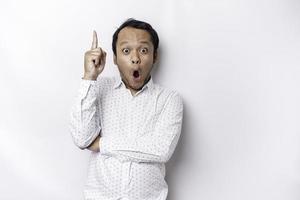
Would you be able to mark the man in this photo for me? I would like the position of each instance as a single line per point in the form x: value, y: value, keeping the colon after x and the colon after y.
x: 130, y: 125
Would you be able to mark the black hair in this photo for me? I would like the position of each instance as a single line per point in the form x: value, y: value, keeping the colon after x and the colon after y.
x: 139, y: 25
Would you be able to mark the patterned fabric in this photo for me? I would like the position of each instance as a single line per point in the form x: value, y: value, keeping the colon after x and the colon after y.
x: 138, y: 132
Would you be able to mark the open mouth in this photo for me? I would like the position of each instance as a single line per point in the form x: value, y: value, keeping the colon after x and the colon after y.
x: 136, y: 74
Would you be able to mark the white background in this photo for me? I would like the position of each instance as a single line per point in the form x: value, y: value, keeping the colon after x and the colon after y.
x: 236, y: 64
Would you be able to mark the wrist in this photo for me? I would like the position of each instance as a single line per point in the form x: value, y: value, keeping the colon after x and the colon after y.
x: 89, y: 77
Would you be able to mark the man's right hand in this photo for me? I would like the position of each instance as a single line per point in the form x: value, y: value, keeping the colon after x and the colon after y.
x: 94, y: 60
x: 95, y: 145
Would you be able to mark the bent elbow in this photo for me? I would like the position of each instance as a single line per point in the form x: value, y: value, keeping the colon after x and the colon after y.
x: 80, y: 144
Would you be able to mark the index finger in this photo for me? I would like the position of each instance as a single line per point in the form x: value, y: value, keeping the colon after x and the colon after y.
x: 95, y: 40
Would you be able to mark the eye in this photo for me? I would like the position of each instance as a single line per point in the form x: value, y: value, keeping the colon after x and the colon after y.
x: 144, y: 50
x: 125, y: 51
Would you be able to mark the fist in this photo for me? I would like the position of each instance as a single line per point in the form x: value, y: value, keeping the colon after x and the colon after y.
x: 94, y: 60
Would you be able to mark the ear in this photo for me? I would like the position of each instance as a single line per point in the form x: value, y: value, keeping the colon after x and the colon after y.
x: 155, y: 57
x: 115, y: 59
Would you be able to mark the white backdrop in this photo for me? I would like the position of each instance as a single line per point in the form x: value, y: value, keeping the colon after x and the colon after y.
x: 236, y: 64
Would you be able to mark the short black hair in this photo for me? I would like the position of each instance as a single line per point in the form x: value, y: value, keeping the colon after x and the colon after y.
x: 131, y: 22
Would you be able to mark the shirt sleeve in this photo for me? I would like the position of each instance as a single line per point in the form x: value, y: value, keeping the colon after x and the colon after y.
x: 84, y: 121
x: 156, y: 146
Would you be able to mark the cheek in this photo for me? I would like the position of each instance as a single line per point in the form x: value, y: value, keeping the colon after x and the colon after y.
x: 149, y: 65
x: 148, y: 60
x: 122, y: 60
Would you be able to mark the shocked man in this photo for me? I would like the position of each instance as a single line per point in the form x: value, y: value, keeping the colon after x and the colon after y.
x: 130, y: 124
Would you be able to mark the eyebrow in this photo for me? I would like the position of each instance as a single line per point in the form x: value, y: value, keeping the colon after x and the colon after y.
x: 143, y: 42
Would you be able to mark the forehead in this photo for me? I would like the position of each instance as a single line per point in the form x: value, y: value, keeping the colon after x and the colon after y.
x: 129, y: 34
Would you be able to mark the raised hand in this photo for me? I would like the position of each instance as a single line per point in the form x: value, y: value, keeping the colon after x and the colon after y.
x: 94, y: 60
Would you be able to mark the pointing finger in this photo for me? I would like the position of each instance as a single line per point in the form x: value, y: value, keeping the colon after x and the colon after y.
x: 95, y: 40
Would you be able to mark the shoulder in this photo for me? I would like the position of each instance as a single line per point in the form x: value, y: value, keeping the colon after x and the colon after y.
x: 170, y: 96
x: 106, y: 83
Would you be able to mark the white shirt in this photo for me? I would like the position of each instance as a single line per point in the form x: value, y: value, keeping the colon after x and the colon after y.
x: 138, y: 136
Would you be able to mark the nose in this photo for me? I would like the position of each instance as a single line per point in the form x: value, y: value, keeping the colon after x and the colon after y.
x: 135, y: 59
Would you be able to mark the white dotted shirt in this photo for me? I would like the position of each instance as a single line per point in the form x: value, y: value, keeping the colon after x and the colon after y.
x: 138, y: 136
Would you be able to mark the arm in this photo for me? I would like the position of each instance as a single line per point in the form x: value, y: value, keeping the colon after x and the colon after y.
x: 156, y: 146
x: 85, y: 119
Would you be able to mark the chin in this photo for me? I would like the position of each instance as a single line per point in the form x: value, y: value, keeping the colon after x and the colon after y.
x: 136, y: 86
x: 135, y: 83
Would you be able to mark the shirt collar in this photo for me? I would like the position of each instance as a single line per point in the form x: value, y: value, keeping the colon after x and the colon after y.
x: 148, y: 85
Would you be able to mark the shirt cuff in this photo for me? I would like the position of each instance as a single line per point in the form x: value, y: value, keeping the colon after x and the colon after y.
x: 104, y: 145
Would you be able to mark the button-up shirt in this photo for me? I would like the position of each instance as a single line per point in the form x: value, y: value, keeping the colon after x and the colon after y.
x: 138, y: 132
